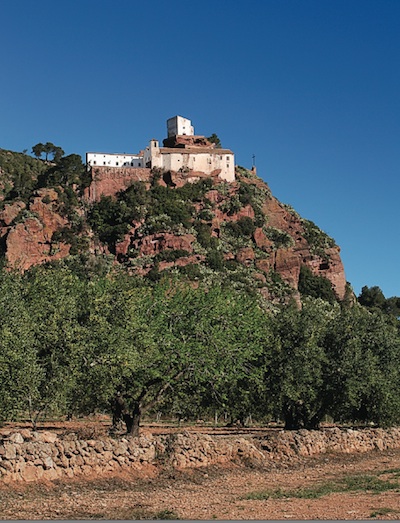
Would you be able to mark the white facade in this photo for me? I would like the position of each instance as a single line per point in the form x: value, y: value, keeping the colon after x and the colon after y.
x: 200, y: 159
x: 114, y: 160
x: 193, y: 158
x: 178, y: 125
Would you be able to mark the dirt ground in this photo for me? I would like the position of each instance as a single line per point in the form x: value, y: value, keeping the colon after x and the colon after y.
x: 360, y: 486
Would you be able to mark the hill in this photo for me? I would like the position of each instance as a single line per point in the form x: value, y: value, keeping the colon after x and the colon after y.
x: 209, y: 229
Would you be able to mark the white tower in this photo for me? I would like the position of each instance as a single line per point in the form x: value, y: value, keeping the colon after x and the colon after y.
x: 178, y: 125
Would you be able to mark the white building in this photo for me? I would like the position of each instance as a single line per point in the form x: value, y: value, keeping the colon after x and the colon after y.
x: 185, y: 157
x: 199, y: 159
x: 114, y: 160
x: 179, y: 126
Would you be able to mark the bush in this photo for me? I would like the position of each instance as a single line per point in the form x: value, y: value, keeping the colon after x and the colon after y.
x: 315, y: 286
x: 215, y: 259
x: 280, y: 238
x: 316, y: 238
x: 243, y: 227
x: 171, y: 255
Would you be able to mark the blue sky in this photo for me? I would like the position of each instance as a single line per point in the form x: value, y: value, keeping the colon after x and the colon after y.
x: 311, y: 87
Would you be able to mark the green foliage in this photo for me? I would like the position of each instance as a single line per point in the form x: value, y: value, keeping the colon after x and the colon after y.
x: 171, y: 255
x: 347, y: 484
x: 245, y: 226
x: 232, y: 205
x: 316, y: 286
x: 215, y: 259
x: 194, y: 192
x: 206, y: 215
x: 318, y: 240
x: 204, y: 236
x: 69, y: 170
x: 281, y: 239
x: 110, y: 219
x: 70, y: 235
x: 71, y: 339
x: 169, y: 202
x: 373, y: 298
x: 296, y: 378
x: 214, y: 139
x: 48, y: 149
x: 161, y: 209
x: 251, y: 194
x: 19, y: 173
x: 363, y: 378
x: 244, y: 173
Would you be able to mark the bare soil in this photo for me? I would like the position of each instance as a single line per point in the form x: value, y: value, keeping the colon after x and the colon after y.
x: 219, y: 492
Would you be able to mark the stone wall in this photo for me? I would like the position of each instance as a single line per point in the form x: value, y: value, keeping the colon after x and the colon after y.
x: 108, y: 181
x: 30, y: 456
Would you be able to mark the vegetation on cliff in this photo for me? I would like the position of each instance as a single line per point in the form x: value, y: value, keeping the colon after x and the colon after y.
x: 209, y: 230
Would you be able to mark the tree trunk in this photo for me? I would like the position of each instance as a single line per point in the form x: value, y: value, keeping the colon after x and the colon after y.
x: 132, y: 421
x: 293, y: 417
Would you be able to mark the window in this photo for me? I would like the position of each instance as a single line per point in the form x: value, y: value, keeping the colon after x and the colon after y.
x: 131, y: 164
x: 104, y: 163
x: 116, y: 163
x: 94, y: 163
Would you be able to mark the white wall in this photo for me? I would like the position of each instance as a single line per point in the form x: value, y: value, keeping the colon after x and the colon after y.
x: 114, y: 160
x: 178, y: 125
x: 205, y: 162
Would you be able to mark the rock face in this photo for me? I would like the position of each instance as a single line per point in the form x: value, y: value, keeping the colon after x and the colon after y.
x: 279, y: 242
x: 108, y: 181
x: 32, y: 456
x: 29, y: 242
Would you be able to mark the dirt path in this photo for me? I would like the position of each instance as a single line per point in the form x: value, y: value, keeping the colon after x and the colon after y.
x: 354, y: 487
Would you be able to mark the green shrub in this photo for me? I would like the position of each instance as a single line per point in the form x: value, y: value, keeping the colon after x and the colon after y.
x: 171, y: 255
x: 315, y: 286
x: 215, y: 259
x: 245, y: 226
x: 318, y: 240
x: 204, y: 236
x: 232, y: 205
x: 281, y: 239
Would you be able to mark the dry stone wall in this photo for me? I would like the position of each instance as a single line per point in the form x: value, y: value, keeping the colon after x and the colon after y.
x: 31, y: 456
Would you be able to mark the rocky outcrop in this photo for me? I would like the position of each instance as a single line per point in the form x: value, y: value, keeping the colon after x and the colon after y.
x: 181, y: 141
x: 31, y: 456
x: 29, y: 242
x: 27, y: 228
x: 154, y: 244
x: 10, y: 212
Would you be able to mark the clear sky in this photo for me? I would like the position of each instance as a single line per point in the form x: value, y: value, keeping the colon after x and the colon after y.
x: 311, y: 87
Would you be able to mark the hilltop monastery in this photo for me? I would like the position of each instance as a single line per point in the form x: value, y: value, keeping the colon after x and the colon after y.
x: 182, y: 152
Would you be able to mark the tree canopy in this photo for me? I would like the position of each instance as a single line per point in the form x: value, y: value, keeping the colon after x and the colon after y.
x: 76, y: 345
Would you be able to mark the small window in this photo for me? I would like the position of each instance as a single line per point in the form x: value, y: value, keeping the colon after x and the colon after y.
x: 94, y: 163
x: 227, y: 158
x: 131, y: 164
x: 104, y: 163
x: 116, y: 163
x: 140, y: 165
